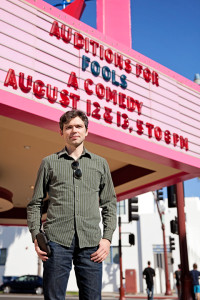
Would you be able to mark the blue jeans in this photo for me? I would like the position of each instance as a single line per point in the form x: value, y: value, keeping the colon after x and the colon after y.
x: 58, y: 266
x: 150, y: 293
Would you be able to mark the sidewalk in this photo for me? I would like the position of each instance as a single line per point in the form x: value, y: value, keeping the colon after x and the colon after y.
x: 156, y: 296
x: 115, y: 296
x: 138, y: 296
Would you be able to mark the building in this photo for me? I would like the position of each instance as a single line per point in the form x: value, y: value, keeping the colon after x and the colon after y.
x: 144, y: 118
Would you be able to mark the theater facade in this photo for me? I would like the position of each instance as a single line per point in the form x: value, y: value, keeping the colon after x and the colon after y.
x: 143, y: 118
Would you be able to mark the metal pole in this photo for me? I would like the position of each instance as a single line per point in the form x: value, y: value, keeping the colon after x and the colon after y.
x: 39, y: 266
x: 186, y: 282
x: 167, y: 282
x: 122, y: 293
x: 168, y: 288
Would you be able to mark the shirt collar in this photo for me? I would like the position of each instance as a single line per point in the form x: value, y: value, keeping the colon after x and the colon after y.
x: 64, y: 152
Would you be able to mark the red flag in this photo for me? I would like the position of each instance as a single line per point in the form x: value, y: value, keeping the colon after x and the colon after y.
x: 75, y: 9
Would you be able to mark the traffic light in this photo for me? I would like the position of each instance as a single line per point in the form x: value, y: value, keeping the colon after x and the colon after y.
x: 132, y: 209
x: 174, y: 226
x: 159, y: 194
x: 131, y: 239
x: 171, y: 193
x: 171, y: 244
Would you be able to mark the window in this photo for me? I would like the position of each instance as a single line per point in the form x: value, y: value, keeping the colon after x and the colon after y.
x: 113, y: 257
x: 121, y: 207
x: 3, y: 255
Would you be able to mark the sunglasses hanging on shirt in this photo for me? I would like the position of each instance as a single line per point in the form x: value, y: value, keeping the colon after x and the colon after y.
x: 77, y: 171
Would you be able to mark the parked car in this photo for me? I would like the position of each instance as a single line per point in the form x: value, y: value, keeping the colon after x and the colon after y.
x: 23, y: 284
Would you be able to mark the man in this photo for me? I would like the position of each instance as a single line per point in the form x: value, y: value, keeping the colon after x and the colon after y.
x: 177, y: 276
x: 148, y: 274
x: 195, y: 274
x: 77, y: 183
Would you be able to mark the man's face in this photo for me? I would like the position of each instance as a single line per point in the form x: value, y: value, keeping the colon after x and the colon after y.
x: 74, y: 132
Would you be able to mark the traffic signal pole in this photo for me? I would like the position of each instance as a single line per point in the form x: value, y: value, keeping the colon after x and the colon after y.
x: 168, y: 288
x: 167, y: 282
x: 132, y: 208
x: 186, y: 283
x: 122, y: 292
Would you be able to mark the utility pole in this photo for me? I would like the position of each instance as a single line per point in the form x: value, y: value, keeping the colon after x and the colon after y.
x: 122, y: 292
x: 186, y: 283
x: 167, y: 282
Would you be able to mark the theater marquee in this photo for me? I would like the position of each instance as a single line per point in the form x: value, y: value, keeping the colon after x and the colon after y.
x: 60, y: 66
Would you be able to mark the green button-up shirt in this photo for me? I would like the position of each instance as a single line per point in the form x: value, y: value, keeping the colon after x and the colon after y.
x: 74, y: 203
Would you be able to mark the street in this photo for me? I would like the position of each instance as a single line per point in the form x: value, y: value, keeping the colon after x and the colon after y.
x: 28, y: 297
x: 31, y: 296
x: 69, y: 297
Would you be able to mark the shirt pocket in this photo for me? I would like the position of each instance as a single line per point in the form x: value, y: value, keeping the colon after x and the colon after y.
x: 92, y: 179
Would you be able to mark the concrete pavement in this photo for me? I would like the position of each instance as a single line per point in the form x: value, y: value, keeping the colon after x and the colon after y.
x: 137, y: 296
x: 113, y: 296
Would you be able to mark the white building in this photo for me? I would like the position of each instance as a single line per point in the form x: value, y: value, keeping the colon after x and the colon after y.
x: 18, y: 257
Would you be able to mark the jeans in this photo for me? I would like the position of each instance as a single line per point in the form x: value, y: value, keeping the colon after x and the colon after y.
x: 178, y: 290
x: 150, y: 293
x: 58, y: 266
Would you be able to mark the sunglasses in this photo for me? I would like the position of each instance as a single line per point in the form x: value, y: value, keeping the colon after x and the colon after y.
x: 77, y: 171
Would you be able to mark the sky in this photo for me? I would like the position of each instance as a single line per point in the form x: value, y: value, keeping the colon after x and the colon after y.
x: 167, y: 32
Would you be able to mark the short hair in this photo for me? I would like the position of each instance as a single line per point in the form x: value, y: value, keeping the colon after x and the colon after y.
x: 179, y: 266
x: 195, y: 266
x: 71, y: 114
x: 148, y: 263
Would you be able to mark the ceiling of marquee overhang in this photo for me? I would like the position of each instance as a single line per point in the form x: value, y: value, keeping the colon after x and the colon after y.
x: 22, y: 148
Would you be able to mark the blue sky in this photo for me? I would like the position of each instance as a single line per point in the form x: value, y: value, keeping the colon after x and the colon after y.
x: 167, y: 32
